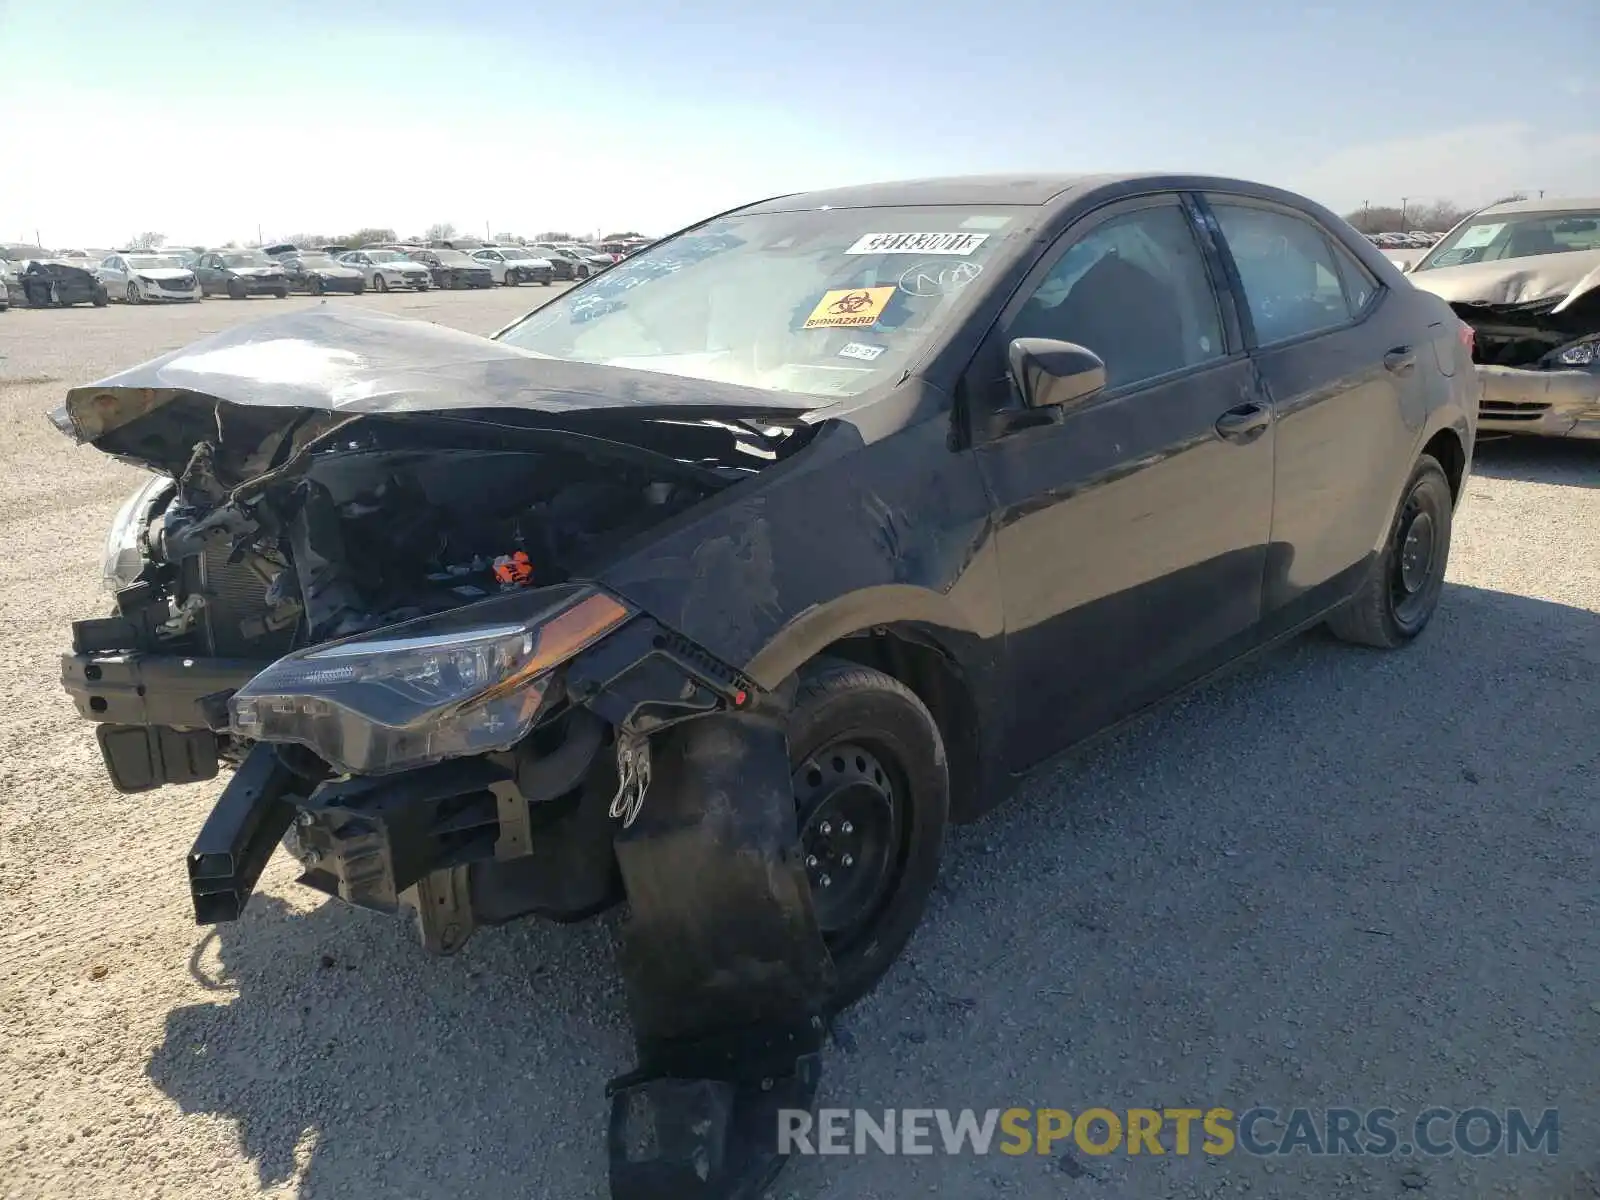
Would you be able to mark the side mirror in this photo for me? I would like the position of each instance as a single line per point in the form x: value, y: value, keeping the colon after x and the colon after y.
x: 1052, y: 374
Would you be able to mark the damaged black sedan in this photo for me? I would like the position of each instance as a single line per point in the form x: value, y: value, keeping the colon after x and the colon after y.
x: 720, y: 583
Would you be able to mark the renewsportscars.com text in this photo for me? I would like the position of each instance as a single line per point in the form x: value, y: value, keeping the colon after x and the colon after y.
x: 1261, y: 1131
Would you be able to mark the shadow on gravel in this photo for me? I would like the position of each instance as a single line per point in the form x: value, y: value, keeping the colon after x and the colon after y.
x: 1336, y: 876
x: 1573, y: 463
x: 348, y: 1053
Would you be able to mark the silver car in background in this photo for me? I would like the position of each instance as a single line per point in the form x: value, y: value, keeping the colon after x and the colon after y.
x: 140, y: 278
x: 1525, y: 276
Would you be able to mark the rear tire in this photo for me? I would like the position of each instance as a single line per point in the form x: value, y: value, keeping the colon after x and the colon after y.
x: 872, y: 796
x: 281, y: 294
x: 1402, y: 591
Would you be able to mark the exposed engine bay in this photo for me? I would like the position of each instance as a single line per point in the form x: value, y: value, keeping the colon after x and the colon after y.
x: 372, y: 536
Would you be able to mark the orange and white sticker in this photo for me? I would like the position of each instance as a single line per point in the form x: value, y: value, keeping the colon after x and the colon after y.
x: 849, y: 307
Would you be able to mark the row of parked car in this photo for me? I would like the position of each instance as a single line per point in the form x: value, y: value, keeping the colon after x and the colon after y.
x: 33, y: 276
x: 1417, y: 239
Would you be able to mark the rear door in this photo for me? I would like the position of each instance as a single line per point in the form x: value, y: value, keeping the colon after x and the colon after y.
x: 1132, y: 529
x: 1343, y: 370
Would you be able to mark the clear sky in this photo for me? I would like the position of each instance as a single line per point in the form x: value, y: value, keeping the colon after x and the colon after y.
x: 203, y: 119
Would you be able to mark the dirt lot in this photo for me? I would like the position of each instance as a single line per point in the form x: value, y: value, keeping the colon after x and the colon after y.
x: 1333, y: 878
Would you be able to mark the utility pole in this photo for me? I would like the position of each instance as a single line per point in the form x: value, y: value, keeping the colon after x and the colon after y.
x: 1366, y: 221
x: 486, y: 236
x: 1403, y: 214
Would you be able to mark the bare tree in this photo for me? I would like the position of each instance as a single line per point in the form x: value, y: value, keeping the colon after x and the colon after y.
x: 510, y: 239
x: 439, y: 232
x: 148, y: 241
x: 1512, y: 198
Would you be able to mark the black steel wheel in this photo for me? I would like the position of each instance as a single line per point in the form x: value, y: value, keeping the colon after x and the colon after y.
x: 1399, y: 597
x: 237, y: 290
x: 871, y: 801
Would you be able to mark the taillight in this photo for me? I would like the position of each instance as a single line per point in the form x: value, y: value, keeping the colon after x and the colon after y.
x: 1467, y: 336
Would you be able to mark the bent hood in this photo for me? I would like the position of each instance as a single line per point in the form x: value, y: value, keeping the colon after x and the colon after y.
x: 286, y: 381
x: 1561, y: 277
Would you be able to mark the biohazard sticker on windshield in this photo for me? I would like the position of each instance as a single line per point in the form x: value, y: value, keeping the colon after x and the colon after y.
x: 848, y: 307
x: 917, y: 243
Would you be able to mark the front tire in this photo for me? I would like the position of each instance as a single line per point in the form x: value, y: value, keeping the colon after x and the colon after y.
x: 237, y: 290
x: 380, y: 283
x: 872, y: 797
x: 131, y: 293
x: 1400, y: 595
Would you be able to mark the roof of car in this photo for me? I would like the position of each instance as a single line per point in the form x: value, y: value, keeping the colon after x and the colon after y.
x: 956, y: 189
x: 1031, y: 190
x: 1559, y: 204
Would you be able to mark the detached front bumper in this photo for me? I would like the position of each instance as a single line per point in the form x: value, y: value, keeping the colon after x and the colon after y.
x: 1543, y: 403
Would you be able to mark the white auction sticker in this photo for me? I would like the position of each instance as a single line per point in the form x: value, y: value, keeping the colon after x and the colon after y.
x: 918, y: 243
x: 860, y: 350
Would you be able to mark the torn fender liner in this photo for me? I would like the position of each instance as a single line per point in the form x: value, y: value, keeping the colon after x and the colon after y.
x: 286, y: 381
x: 725, y: 968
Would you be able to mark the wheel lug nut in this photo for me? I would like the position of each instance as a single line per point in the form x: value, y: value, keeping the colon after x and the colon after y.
x: 847, y: 861
x: 811, y: 860
x: 847, y: 828
x: 826, y: 828
x: 826, y: 881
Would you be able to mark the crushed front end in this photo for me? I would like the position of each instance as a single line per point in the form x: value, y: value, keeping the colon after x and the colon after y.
x: 386, y: 627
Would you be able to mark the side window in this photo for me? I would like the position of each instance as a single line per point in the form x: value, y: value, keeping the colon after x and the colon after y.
x: 1135, y: 291
x: 1291, y: 281
x: 1359, y: 286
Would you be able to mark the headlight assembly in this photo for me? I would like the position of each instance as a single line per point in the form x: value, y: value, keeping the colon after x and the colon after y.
x: 463, y: 682
x: 1583, y: 353
x: 124, y: 555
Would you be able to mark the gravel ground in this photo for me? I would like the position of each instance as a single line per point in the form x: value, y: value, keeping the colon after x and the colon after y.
x: 1333, y: 878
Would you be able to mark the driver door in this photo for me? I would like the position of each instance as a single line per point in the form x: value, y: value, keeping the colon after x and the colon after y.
x: 1133, y: 527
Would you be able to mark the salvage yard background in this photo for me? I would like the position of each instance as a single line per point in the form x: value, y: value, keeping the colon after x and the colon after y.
x: 1333, y: 877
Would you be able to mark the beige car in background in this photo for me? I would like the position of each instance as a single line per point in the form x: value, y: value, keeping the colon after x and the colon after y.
x: 1525, y: 276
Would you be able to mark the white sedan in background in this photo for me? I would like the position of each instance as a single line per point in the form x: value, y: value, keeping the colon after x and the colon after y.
x: 511, y: 265
x: 385, y: 269
x: 138, y: 278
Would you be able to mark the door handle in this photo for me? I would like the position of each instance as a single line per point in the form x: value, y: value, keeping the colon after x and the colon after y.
x: 1400, y: 360
x: 1244, y: 422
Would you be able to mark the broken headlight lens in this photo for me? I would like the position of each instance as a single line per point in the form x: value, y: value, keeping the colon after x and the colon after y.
x: 464, y: 682
x: 1583, y: 353
x: 125, y: 554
